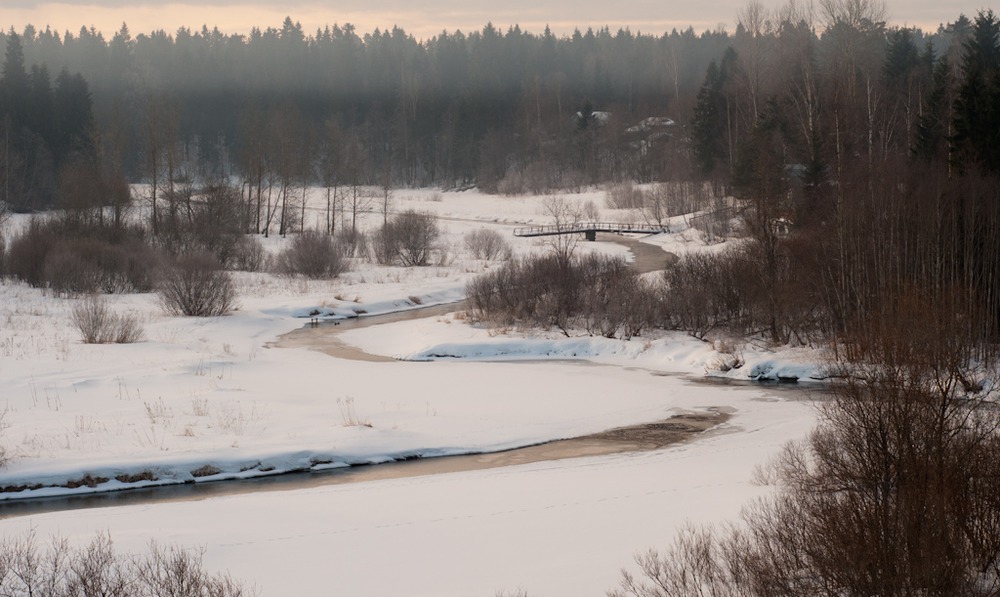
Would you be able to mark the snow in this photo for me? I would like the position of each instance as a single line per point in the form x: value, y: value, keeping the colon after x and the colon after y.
x: 216, y: 393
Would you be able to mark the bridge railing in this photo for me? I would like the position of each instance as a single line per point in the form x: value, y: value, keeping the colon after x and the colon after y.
x: 583, y: 227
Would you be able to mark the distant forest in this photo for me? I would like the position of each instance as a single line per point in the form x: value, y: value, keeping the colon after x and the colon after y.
x: 507, y: 110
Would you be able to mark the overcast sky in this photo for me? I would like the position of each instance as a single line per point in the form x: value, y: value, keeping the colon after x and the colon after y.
x: 422, y: 19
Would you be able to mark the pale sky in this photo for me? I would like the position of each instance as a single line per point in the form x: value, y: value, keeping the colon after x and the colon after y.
x: 422, y: 19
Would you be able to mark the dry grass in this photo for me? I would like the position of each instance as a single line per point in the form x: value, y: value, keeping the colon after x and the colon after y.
x: 349, y: 415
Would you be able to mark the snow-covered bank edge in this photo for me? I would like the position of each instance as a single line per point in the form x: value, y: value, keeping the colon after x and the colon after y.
x: 110, y: 479
x: 454, y: 339
x: 670, y: 353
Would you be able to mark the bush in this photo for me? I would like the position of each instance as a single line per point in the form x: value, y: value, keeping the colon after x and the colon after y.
x: 596, y: 293
x: 58, y: 570
x: 67, y: 272
x: 708, y: 291
x: 248, y: 255
x: 196, y: 285
x: 211, y: 220
x: 408, y: 239
x: 624, y: 196
x: 75, y: 257
x: 486, y: 244
x: 99, y: 325
x: 314, y: 255
x: 353, y: 243
x: 28, y: 250
x: 87, y: 266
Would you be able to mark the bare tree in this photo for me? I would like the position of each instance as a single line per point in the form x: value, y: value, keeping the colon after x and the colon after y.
x: 160, y: 137
x: 330, y: 166
x: 564, y: 216
x: 385, y: 201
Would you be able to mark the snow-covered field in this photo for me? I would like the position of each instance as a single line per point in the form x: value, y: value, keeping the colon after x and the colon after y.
x: 211, y: 398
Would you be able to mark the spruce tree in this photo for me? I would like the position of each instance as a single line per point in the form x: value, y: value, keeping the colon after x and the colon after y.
x: 14, y: 83
x: 977, y: 107
x: 709, y: 121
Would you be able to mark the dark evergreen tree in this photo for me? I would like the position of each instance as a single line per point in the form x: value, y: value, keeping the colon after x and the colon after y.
x: 14, y: 82
x: 934, y: 125
x: 73, y: 115
x: 40, y: 104
x: 977, y: 107
x: 708, y: 127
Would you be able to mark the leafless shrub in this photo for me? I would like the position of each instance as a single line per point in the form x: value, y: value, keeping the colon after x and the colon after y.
x: 408, y: 239
x: 704, y: 292
x: 75, y: 266
x: 694, y: 566
x: 540, y: 177
x: 249, y: 255
x: 82, y: 259
x: 894, y: 493
x: 314, y: 255
x: 512, y: 183
x: 684, y: 197
x: 210, y: 220
x: 175, y: 571
x: 28, y: 251
x: 99, y: 325
x: 615, y: 303
x: 196, y: 285
x: 624, y: 195
x: 486, y: 244
x: 598, y: 294
x: 29, y: 568
x: 716, y: 224
x: 656, y: 205
x: 66, y: 271
x: 353, y: 243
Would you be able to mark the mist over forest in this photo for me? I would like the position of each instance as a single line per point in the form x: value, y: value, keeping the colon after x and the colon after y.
x: 824, y: 117
x: 454, y: 110
x: 827, y: 118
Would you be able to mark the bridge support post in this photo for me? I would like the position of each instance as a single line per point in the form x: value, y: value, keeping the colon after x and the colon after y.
x: 591, y: 235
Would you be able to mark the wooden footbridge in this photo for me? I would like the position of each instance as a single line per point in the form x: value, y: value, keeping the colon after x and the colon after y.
x: 589, y: 229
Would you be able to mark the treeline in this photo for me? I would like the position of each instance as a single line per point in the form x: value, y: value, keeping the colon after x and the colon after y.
x: 452, y: 110
x: 47, y: 134
x: 505, y: 110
